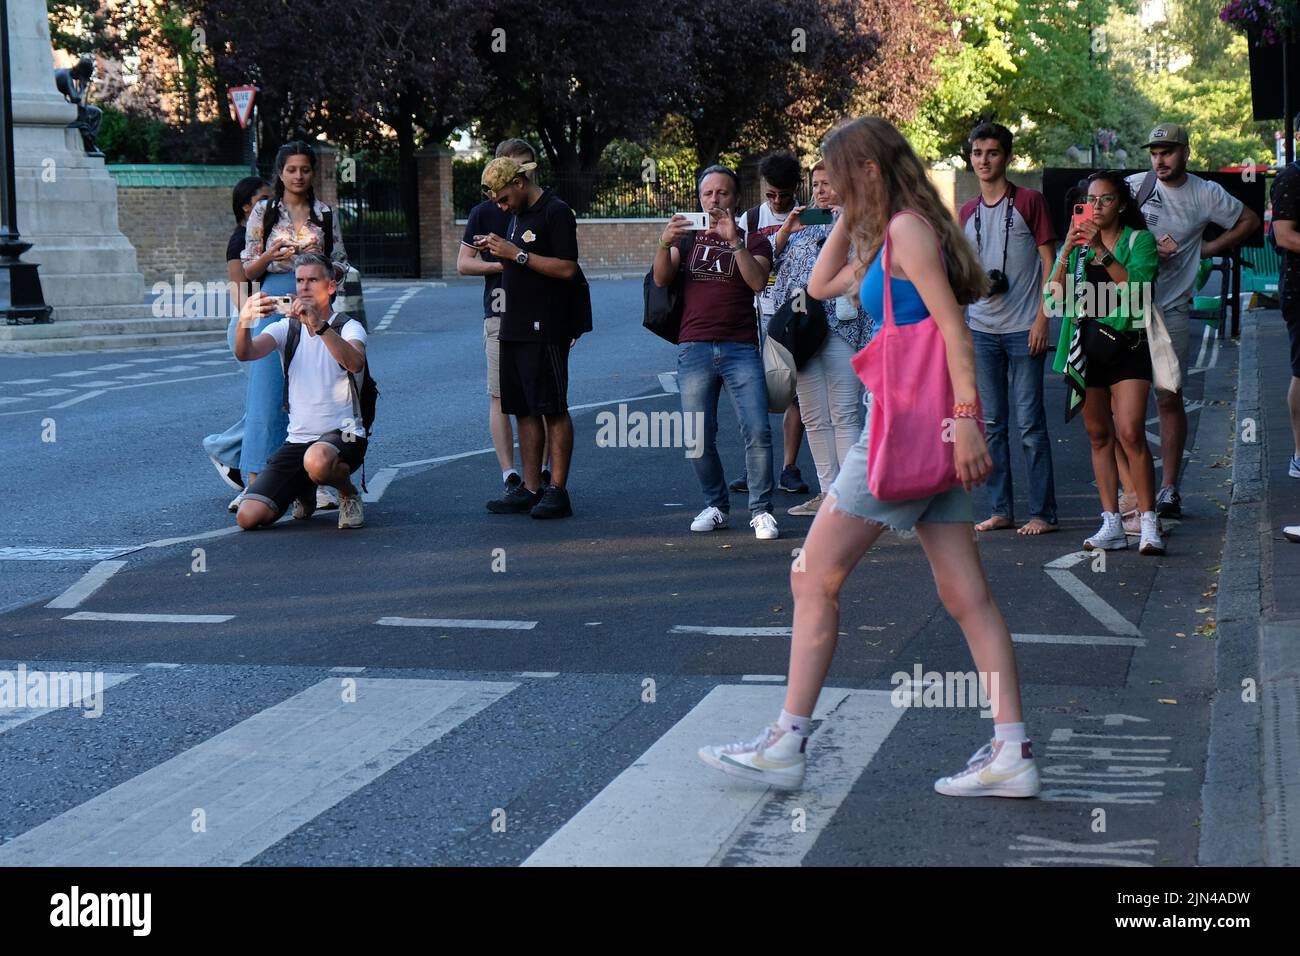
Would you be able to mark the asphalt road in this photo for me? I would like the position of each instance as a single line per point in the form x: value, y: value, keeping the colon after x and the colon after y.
x: 450, y: 687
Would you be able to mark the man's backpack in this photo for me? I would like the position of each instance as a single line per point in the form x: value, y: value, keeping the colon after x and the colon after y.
x: 364, y: 401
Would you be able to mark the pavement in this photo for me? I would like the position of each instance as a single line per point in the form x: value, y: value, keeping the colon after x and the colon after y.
x: 450, y: 687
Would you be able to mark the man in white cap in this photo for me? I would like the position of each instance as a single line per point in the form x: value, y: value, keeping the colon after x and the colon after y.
x: 1178, y: 206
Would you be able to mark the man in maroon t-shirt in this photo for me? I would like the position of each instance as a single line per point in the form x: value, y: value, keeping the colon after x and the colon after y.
x: 718, y: 345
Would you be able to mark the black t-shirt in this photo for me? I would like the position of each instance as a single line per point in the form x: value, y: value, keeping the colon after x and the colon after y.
x: 1286, y: 205
x: 485, y: 218
x: 235, y: 247
x: 538, y: 307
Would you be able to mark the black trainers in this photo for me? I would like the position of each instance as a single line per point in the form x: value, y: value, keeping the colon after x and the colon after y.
x: 516, y: 501
x: 792, y: 481
x: 554, y: 503
x: 740, y: 485
x: 546, y: 478
x: 1169, y: 503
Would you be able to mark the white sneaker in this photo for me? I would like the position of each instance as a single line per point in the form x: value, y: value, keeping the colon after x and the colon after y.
x: 710, y: 519
x: 764, y: 526
x: 351, y: 514
x: 1292, y: 533
x: 769, y: 758
x: 1110, y: 536
x: 1151, y: 542
x: 998, y: 769
x: 327, y: 498
x: 235, y: 502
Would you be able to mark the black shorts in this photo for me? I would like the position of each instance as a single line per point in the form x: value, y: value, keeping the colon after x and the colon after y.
x: 285, y: 478
x: 534, y: 378
x: 1291, y: 313
x: 1134, y: 362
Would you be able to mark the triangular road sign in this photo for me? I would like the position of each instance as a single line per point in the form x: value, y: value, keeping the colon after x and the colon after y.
x: 242, y: 98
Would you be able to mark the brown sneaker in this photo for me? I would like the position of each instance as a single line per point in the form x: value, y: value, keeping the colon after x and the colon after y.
x: 350, y: 511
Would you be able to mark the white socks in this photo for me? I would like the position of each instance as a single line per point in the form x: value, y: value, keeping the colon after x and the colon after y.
x: 505, y: 475
x: 793, y: 724
x: 1011, y: 733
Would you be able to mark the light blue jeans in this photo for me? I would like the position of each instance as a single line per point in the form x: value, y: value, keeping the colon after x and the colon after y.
x: 265, y: 422
x: 703, y: 368
x: 1005, y: 372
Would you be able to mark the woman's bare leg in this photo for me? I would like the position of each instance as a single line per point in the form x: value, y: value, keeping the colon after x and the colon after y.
x: 835, y: 544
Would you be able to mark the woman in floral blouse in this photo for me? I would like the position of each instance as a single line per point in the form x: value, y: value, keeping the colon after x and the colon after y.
x: 830, y: 395
x: 291, y: 222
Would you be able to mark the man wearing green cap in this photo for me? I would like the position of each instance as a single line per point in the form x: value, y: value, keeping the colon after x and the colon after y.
x: 1178, y: 206
x: 540, y: 266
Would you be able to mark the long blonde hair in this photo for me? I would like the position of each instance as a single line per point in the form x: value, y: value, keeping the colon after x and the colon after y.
x: 903, y: 184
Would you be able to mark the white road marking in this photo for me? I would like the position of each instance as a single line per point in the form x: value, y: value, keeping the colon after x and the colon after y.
x: 668, y: 382
x: 109, y: 368
x: 179, y: 368
x: 201, y: 536
x: 73, y: 374
x: 1089, y: 600
x: 90, y: 582
x: 451, y: 622
x: 396, y: 307
x: 731, y: 631
x: 443, y: 458
x: 175, y: 381
x: 764, y: 678
x: 66, y: 554
x: 11, y: 717
x: 146, y: 361
x: 1106, y: 639
x: 616, y: 401
x: 346, y: 670
x: 150, y: 618
x: 27, y: 381
x: 379, y: 484
x: 80, y: 398
x: 260, y: 780
x: 167, y: 667
x: 11, y: 401
x: 99, y: 383
x: 697, y: 815
x: 50, y: 392
x: 139, y: 375
x: 541, y: 674
x: 216, y: 361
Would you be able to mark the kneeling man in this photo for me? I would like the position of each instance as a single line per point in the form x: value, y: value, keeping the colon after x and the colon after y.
x: 327, y: 359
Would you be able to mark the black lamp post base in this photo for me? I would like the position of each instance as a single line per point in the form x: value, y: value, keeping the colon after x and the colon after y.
x: 21, y: 299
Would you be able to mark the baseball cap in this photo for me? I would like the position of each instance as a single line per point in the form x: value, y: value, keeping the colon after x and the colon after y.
x: 500, y: 171
x: 1167, y: 134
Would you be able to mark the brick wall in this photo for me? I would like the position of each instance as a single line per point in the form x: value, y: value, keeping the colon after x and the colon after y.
x: 177, y: 230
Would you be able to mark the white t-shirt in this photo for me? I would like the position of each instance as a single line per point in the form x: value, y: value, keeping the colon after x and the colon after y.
x: 1184, y: 213
x: 769, y: 224
x: 320, y: 399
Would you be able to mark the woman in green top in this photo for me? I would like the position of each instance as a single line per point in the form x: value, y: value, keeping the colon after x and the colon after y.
x: 1106, y: 274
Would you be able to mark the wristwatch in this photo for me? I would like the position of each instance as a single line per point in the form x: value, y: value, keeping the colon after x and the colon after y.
x: 740, y: 244
x: 324, y: 328
x: 522, y: 258
x: 1106, y: 259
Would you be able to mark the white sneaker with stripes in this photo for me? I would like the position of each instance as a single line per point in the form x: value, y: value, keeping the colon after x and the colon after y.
x: 998, y: 769
x: 768, y: 759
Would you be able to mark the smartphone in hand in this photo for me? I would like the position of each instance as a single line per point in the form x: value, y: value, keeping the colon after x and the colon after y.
x: 815, y: 217
x: 1082, y: 214
x: 282, y: 303
x: 698, y: 220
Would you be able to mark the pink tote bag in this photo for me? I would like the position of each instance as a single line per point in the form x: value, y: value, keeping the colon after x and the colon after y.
x: 909, y: 438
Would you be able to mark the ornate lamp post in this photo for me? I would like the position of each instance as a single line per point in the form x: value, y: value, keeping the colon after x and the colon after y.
x: 21, y: 299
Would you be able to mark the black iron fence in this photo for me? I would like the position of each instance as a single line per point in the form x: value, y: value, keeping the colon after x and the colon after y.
x: 631, y: 193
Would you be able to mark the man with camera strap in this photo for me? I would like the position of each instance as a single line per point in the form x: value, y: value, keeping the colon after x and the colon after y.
x: 1010, y: 228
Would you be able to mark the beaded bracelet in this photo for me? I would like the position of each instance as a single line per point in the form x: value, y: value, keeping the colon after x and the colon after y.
x: 963, y: 410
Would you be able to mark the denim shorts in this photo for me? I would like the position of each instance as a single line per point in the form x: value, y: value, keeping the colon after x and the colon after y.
x: 852, y: 497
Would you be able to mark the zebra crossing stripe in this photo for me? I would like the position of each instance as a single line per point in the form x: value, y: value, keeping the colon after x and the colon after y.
x: 256, y: 783
x: 11, y: 717
x: 698, y: 816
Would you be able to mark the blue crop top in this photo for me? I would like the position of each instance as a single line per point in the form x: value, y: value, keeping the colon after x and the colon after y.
x: 908, y: 305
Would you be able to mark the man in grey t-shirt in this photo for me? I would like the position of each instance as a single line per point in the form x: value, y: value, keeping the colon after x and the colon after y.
x: 1009, y: 227
x: 1177, y: 210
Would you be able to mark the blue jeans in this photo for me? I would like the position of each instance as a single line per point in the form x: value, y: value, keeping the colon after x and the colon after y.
x: 703, y: 368
x: 997, y: 359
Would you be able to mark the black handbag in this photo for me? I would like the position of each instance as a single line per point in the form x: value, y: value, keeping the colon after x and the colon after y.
x: 1100, y: 342
x: 801, y: 331
x: 664, y: 306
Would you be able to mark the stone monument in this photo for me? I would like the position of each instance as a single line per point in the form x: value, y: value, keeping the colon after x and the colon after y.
x: 67, y: 201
